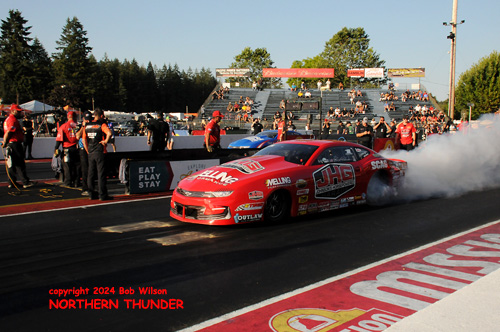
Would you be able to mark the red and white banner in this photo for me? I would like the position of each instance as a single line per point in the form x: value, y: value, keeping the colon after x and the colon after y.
x: 299, y: 72
x: 358, y: 72
x: 374, y: 72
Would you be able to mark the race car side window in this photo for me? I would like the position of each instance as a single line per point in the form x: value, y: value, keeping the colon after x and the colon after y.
x: 362, y: 153
x: 338, y: 154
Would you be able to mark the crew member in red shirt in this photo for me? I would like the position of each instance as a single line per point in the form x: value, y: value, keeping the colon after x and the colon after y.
x: 282, y: 128
x: 406, y: 134
x: 212, y: 133
x: 66, y: 135
x: 14, y: 153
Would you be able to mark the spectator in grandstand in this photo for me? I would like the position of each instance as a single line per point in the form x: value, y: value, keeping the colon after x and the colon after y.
x: 328, y: 85
x: 331, y: 112
x: 349, y: 129
x: 230, y: 107
x: 326, y: 127
x: 319, y: 84
x: 307, y: 94
x: 382, y: 129
x: 359, y: 93
x: 338, y: 113
x: 236, y: 107
x: 282, y: 105
x: 300, y: 94
x: 291, y: 125
x: 364, y: 133
x: 446, y: 120
x: 254, y: 85
x: 341, y: 86
x: 406, y: 134
x: 294, y: 87
x: 303, y: 85
x: 340, y: 128
x: 308, y: 126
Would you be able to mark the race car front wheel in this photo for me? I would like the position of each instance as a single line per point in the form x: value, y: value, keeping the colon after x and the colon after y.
x: 277, y: 207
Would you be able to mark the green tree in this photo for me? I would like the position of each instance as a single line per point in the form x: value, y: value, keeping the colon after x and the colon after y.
x: 16, y: 73
x: 42, y: 71
x: 480, y: 85
x: 74, y: 66
x: 255, y: 60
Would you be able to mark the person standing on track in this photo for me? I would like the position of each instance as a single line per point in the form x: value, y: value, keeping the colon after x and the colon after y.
x: 212, y: 133
x: 13, y: 139
x: 96, y: 136
x: 66, y: 135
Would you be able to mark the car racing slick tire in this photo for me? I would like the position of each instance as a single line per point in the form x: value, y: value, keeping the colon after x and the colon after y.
x: 379, y: 191
x: 277, y: 207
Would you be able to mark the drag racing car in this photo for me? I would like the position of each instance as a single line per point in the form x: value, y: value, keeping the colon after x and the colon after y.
x: 264, y: 139
x: 285, y: 179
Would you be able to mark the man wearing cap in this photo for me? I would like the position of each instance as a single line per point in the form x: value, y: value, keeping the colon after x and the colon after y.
x: 406, y: 134
x: 66, y: 135
x: 364, y: 133
x: 212, y: 132
x: 157, y: 133
x: 96, y: 136
x: 14, y: 153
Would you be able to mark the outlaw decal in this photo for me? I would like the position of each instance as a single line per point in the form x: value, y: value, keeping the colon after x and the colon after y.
x: 333, y: 180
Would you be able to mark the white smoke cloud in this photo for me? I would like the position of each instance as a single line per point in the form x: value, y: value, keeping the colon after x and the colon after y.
x: 451, y: 165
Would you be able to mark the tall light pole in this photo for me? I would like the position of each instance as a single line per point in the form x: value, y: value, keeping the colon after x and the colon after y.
x: 452, y: 36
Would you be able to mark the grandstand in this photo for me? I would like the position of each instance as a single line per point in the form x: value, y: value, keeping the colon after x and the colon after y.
x: 267, y: 102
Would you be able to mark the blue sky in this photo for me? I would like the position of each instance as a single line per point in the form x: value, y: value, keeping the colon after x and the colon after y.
x: 195, y: 33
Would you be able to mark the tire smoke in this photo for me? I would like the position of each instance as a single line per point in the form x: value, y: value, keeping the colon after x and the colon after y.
x: 453, y: 164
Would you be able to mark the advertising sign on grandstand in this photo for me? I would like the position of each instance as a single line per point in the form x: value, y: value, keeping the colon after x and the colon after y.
x: 374, y: 72
x: 358, y: 72
x: 298, y: 72
x: 232, y: 72
x: 406, y: 72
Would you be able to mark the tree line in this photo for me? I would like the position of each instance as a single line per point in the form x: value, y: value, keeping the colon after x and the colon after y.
x: 72, y: 76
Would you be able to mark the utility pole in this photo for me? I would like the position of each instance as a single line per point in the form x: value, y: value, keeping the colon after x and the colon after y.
x: 452, y: 36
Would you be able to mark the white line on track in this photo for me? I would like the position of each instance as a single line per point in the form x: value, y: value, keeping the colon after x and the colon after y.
x: 82, y: 207
x: 278, y: 298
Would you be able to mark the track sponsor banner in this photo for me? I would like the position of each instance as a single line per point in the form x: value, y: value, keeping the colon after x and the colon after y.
x: 232, y: 72
x: 183, y: 169
x: 374, y: 72
x: 377, y: 296
x: 406, y: 72
x: 298, y: 72
x: 149, y: 176
x: 360, y: 72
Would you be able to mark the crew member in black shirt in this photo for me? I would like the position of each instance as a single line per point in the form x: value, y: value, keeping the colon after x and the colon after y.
x: 364, y: 133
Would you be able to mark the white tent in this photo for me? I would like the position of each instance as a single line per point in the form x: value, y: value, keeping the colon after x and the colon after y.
x: 36, y: 106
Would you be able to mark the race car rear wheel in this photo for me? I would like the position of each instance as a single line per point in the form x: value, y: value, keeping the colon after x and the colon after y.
x: 379, y: 191
x: 277, y: 208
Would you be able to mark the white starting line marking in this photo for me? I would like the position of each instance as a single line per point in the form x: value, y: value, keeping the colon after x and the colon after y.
x: 137, y: 226
x: 174, y: 239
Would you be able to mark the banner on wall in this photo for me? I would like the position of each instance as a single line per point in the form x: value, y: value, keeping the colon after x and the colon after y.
x: 406, y: 72
x: 299, y: 72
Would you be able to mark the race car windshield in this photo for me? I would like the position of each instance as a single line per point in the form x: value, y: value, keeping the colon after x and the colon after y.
x: 293, y: 153
x: 267, y: 134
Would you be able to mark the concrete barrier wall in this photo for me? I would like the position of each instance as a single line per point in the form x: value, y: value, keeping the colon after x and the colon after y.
x: 43, y: 147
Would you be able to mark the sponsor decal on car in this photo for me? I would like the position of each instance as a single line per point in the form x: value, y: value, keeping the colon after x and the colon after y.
x: 255, y: 195
x: 247, y: 217
x: 216, y: 177
x: 303, y: 199
x: 334, y: 180
x: 277, y: 182
x: 250, y: 207
x: 244, y: 166
x: 379, y: 164
x: 301, y: 183
x: 302, y: 192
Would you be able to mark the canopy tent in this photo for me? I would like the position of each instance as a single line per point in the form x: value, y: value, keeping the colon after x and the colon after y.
x: 36, y: 106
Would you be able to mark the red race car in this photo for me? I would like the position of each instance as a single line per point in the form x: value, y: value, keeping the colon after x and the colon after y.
x: 287, y: 179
